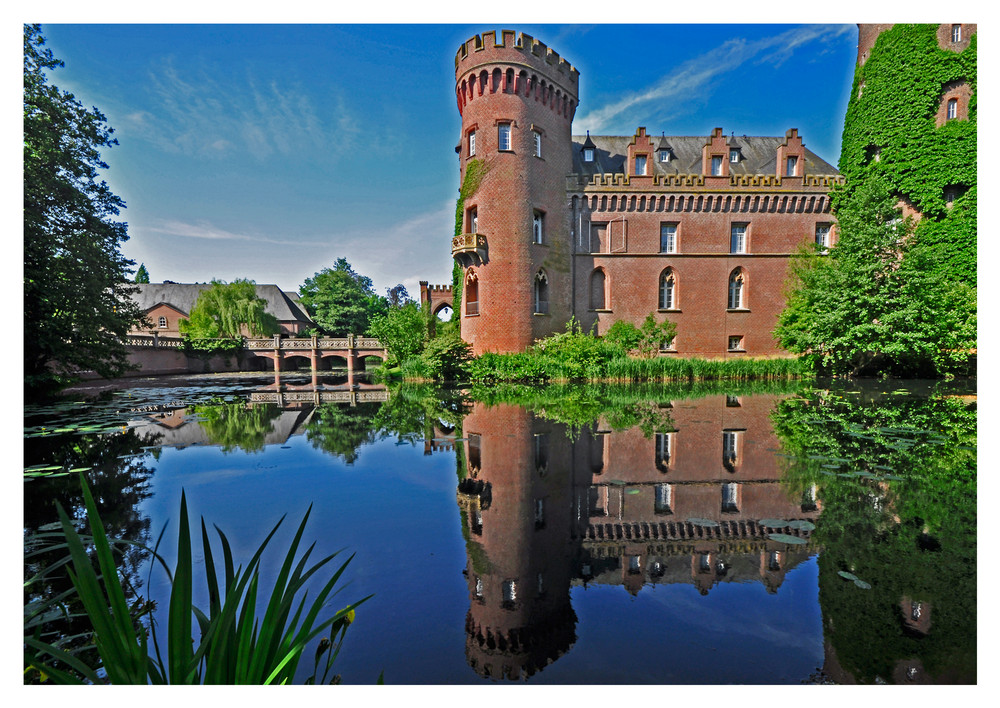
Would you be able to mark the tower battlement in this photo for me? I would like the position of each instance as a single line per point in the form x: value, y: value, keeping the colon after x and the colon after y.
x: 485, y: 48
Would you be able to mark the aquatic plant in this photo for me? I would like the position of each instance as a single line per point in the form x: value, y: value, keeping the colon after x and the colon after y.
x: 237, y: 645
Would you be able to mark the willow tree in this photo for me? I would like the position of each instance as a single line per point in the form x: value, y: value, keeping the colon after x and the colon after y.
x: 229, y: 310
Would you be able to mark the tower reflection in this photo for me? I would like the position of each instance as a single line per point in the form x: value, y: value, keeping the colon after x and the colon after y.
x: 545, y: 508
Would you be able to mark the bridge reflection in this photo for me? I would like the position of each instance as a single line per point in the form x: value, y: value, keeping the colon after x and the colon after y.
x: 545, y: 510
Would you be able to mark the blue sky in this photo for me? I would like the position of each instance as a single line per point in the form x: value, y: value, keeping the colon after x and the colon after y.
x: 268, y: 151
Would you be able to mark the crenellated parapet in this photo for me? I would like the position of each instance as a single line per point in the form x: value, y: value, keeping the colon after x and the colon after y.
x: 517, y: 64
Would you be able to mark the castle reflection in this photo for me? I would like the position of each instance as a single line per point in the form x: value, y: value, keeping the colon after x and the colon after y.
x: 546, y: 508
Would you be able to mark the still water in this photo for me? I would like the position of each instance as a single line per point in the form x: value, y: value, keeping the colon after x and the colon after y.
x: 754, y: 533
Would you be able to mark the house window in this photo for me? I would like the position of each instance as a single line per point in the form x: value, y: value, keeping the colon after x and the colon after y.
x: 479, y: 587
x: 640, y: 164
x: 471, y: 295
x: 738, y: 238
x: 509, y: 592
x: 475, y: 452
x: 736, y: 343
x: 956, y: 33
x: 669, y: 345
x: 542, y: 452
x: 539, y: 513
x: 791, y: 164
x: 503, y: 136
x: 668, y: 290
x: 730, y: 449
x: 737, y: 294
x: 952, y: 108
x: 668, y: 238
x: 823, y: 236
x: 732, y: 401
x: 664, y: 444
x: 774, y: 561
x: 663, y: 502
x: 163, y: 322
x: 537, y: 224
x: 537, y: 137
x: 541, y: 293
x: 633, y: 564
x: 599, y: 238
x: 473, y: 220
x: 664, y: 156
x: 705, y: 563
x: 598, y: 290
x: 734, y: 155
x: 729, y: 497
x: 472, y: 143
x: 717, y: 166
x: 588, y: 154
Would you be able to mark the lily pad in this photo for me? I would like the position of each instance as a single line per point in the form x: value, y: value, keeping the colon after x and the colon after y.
x: 708, y: 523
x: 773, y: 523
x: 633, y: 491
x: 862, y: 584
x: 802, y: 525
x: 847, y: 576
x: 785, y: 538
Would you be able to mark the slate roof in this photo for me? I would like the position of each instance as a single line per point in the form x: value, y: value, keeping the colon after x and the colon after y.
x: 182, y: 296
x: 758, y: 155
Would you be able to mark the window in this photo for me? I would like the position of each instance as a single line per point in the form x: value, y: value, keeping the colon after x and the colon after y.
x: 597, y: 500
x: 640, y: 164
x: 956, y: 33
x: 471, y: 295
x: 475, y: 452
x: 479, y: 587
x: 734, y: 155
x: 473, y: 220
x: 730, y: 449
x: 588, y: 154
x: 669, y: 345
x: 663, y: 503
x: 541, y: 293
x: 823, y: 236
x: 737, y: 299
x: 163, y: 323
x: 736, y: 343
x: 537, y: 223
x: 633, y: 564
x: 705, y: 563
x: 668, y: 290
x: 539, y: 513
x: 952, y: 108
x: 664, y: 444
x: 476, y: 522
x: 598, y: 238
x: 472, y: 143
x: 791, y: 165
x: 503, y: 136
x: 598, y: 290
x: 509, y: 592
x: 664, y: 156
x: 738, y: 238
x: 732, y: 401
x: 717, y: 166
x: 729, y: 497
x: 774, y: 561
x: 537, y: 138
x: 542, y: 452
x: 668, y: 238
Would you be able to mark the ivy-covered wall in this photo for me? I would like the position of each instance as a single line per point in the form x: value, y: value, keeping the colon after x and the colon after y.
x: 892, y: 112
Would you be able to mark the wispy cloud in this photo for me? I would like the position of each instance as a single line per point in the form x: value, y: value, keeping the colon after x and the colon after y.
x: 696, y: 74
x: 195, y: 113
x: 206, y: 231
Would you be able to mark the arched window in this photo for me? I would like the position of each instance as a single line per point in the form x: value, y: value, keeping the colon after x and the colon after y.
x: 668, y: 290
x: 598, y: 290
x: 952, y: 108
x: 497, y: 78
x: 737, y: 291
x: 163, y: 322
x: 541, y: 293
x: 509, y: 87
x: 471, y: 295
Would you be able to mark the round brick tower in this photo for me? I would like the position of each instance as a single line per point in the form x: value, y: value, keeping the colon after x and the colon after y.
x: 517, y: 99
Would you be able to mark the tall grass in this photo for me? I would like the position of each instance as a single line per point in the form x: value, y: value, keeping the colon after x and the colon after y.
x: 237, y: 646
x: 629, y: 369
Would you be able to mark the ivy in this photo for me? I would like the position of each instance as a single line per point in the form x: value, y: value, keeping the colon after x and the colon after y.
x: 902, y: 84
x: 474, y: 173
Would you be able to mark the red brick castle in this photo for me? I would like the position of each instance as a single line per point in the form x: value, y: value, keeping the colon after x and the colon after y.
x: 697, y: 230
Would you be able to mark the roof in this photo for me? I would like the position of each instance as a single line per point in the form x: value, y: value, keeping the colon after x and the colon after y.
x: 182, y: 296
x: 758, y: 155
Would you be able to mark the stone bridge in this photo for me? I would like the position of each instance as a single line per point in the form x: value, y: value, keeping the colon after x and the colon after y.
x: 351, y: 348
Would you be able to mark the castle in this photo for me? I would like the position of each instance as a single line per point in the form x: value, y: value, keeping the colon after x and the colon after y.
x: 697, y: 230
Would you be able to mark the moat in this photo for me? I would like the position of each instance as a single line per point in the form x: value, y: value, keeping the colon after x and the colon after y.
x: 759, y: 533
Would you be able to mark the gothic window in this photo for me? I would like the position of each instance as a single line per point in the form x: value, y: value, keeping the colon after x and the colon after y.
x: 541, y: 293
x: 668, y: 290
x: 471, y: 294
x: 503, y: 137
x: 598, y: 290
x: 163, y: 322
x: 668, y: 238
x: 537, y: 226
x: 738, y: 238
x: 737, y: 293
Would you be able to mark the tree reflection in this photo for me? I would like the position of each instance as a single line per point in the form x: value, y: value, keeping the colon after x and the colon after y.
x: 896, y: 477
x: 237, y: 426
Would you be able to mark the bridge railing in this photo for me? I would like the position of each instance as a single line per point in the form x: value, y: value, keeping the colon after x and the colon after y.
x: 349, y: 342
x: 154, y: 341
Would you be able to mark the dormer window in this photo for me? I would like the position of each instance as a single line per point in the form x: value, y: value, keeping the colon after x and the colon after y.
x: 956, y: 33
x: 734, y: 155
x: 588, y: 154
x: 717, y: 166
x: 163, y: 323
x: 640, y: 164
x: 791, y: 165
x: 664, y: 156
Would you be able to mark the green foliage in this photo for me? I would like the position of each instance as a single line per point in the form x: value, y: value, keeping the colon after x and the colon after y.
x: 237, y: 426
x: 228, y: 310
x: 236, y: 646
x: 211, y: 347
x: 142, y: 275
x: 341, y: 430
x: 475, y: 170
x: 341, y: 301
x: 77, y: 299
x: 402, y: 330
x: 903, y: 315
x: 491, y: 368
x: 446, y: 357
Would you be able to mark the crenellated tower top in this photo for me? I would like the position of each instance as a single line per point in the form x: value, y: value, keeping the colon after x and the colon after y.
x: 519, y: 64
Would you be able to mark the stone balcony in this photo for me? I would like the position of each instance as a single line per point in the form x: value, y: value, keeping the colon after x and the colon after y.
x: 469, y: 249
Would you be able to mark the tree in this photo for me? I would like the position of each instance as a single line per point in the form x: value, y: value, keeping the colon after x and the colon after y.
x: 402, y: 330
x: 877, y: 302
x: 229, y: 310
x: 397, y: 295
x: 341, y: 301
x: 77, y: 300
x: 142, y: 275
